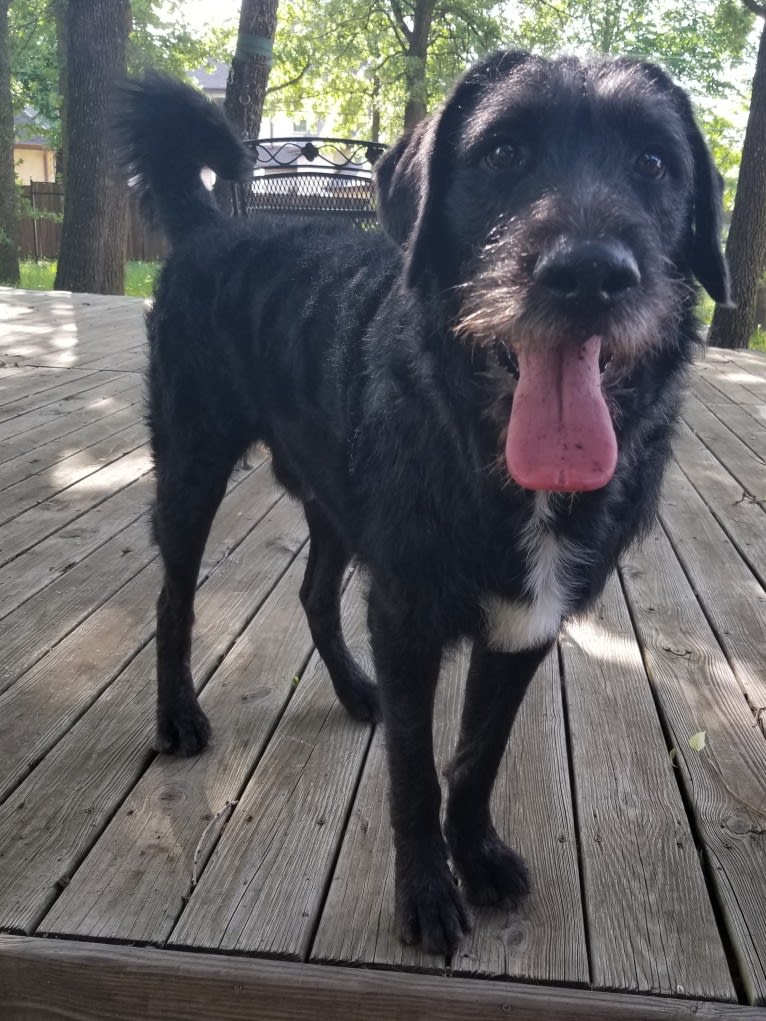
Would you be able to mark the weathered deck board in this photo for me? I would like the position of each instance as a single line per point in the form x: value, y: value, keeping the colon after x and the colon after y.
x: 30, y: 632
x: 166, y: 829
x: 98, y: 761
x: 34, y: 714
x: 743, y: 463
x: 532, y: 805
x: 29, y: 451
x: 726, y: 784
x: 732, y: 380
x: 111, y: 393
x: 650, y: 922
x: 62, y: 330
x: 69, y: 469
x: 49, y: 401
x: 264, y: 885
x: 358, y: 924
x: 50, y: 979
x: 732, y: 599
x: 61, y: 508
x: 44, y: 562
x: 734, y: 507
x: 98, y: 835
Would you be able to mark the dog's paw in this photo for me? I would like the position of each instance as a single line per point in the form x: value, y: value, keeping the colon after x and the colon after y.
x: 186, y: 733
x: 430, y: 911
x: 492, y: 873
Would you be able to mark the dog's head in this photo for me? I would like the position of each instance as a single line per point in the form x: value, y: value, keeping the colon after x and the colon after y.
x: 489, y: 123
x: 562, y: 210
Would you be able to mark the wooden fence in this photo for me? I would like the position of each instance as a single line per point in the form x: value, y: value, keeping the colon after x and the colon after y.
x: 39, y: 231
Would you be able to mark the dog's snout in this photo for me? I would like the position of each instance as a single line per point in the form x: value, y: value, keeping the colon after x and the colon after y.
x: 593, y: 271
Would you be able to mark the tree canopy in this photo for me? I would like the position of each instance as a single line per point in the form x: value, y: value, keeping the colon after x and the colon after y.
x: 699, y: 42
x: 372, y: 64
x: 352, y: 58
x: 160, y: 37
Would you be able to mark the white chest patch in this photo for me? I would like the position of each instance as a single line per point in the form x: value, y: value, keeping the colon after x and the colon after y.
x: 514, y: 625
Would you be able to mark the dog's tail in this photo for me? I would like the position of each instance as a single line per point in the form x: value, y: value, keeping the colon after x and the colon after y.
x: 166, y: 132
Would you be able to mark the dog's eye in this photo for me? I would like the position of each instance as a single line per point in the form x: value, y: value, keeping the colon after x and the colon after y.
x: 503, y: 156
x: 651, y: 164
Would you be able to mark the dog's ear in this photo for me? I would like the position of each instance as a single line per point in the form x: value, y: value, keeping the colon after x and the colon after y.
x: 410, y: 180
x: 703, y: 245
x: 412, y: 176
x: 706, y: 257
x: 401, y: 174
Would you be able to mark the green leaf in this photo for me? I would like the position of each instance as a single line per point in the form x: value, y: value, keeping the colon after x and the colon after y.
x: 697, y: 741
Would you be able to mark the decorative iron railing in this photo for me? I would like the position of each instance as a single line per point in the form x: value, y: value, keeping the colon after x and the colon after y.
x: 308, y: 178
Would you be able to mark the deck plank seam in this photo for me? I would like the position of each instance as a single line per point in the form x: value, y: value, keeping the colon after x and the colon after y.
x: 107, y: 495
x: 702, y: 603
x: 728, y: 940
x: 720, y: 521
x: 138, y: 648
x: 587, y: 920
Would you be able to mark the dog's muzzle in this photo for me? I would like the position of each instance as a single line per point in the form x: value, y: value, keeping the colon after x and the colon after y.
x: 560, y: 435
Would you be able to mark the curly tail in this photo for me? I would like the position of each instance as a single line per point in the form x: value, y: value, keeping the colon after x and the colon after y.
x: 166, y: 132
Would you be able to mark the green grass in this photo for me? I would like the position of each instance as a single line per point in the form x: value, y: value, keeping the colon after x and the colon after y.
x: 139, y: 276
x: 37, y: 276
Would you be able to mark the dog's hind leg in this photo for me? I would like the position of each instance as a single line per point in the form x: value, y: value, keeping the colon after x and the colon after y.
x: 190, y: 487
x: 490, y: 871
x: 320, y: 596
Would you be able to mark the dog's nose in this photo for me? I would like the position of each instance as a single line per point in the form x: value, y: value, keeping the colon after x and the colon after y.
x: 592, y: 271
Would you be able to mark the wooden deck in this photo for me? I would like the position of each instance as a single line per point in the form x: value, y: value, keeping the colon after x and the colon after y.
x: 256, y: 880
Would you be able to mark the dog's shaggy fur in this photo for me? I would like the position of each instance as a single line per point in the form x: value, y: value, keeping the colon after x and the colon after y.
x: 477, y: 405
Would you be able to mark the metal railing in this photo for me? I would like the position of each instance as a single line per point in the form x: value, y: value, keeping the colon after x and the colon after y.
x: 309, y: 178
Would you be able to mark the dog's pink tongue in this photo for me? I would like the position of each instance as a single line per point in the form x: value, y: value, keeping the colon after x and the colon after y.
x: 560, y: 435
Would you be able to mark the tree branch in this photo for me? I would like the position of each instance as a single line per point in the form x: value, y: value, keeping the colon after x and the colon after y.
x: 402, y: 40
x: 286, y: 85
x: 755, y: 7
x: 402, y: 24
x: 561, y: 15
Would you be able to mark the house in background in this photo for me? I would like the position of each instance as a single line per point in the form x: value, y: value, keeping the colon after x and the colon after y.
x: 32, y: 155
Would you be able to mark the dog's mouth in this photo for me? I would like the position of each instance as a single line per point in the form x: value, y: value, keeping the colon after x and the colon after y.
x: 560, y: 434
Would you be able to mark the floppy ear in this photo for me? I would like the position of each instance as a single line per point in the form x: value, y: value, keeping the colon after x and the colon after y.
x: 410, y: 180
x: 706, y: 258
x: 401, y: 174
x: 412, y: 176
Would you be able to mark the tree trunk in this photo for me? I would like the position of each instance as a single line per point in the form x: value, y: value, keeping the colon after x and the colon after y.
x: 248, y: 77
x: 94, y: 231
x: 58, y: 8
x: 375, y: 115
x: 746, y: 245
x: 9, y: 253
x: 415, y: 76
x: 249, y: 74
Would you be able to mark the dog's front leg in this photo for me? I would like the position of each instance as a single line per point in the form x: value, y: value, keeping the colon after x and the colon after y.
x: 429, y: 908
x: 490, y: 872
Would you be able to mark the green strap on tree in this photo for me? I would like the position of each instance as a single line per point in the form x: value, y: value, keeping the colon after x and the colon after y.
x: 251, y: 46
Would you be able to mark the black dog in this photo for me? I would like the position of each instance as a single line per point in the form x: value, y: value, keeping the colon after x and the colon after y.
x: 478, y: 406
